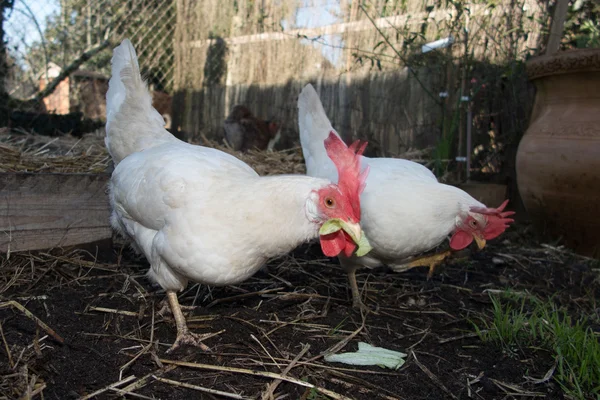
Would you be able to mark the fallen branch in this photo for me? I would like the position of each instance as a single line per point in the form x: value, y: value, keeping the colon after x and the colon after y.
x: 263, y: 374
x: 85, y: 56
x: 200, y: 388
x: 268, y: 393
x: 143, y: 381
x: 29, y: 315
x: 107, y: 388
x: 6, y: 348
x: 114, y: 311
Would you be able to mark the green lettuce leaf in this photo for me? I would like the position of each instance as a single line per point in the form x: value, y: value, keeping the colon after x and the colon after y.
x: 370, y: 355
x: 336, y: 224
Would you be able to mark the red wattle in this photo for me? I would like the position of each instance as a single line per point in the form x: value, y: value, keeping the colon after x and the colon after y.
x: 333, y: 243
x: 350, y: 245
x: 460, y: 240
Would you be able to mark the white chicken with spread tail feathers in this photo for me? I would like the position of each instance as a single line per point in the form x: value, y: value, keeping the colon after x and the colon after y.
x: 405, y: 211
x: 199, y: 214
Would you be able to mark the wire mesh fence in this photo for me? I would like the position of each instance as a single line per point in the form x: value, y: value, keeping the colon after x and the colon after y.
x: 59, y: 51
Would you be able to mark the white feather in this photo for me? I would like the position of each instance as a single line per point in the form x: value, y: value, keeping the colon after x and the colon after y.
x: 129, y: 107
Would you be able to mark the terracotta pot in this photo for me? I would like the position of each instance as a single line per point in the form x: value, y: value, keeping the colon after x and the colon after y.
x: 558, y: 161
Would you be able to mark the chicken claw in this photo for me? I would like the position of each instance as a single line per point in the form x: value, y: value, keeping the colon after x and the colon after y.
x: 429, y: 261
x: 189, y: 338
x: 184, y: 336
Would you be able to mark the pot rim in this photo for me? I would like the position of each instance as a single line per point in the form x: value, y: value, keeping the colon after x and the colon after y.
x: 564, y: 62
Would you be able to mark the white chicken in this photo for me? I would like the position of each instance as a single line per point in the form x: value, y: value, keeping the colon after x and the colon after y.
x: 199, y: 214
x: 405, y: 210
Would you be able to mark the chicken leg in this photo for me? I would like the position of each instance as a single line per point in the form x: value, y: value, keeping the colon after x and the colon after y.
x: 431, y: 261
x: 184, y: 336
x: 357, y: 302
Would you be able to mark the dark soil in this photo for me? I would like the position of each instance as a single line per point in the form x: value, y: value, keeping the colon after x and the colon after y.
x: 301, y: 299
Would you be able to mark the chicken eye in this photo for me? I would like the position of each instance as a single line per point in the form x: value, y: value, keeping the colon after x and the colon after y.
x: 329, y: 202
x: 473, y: 223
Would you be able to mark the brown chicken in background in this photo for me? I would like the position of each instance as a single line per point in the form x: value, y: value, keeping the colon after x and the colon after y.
x: 162, y: 102
x: 243, y: 131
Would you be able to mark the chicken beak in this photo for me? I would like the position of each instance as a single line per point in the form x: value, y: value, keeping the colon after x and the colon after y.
x: 358, y: 236
x: 480, y: 241
x: 354, y: 230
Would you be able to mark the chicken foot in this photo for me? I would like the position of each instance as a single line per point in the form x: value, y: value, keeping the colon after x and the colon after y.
x: 431, y: 261
x: 165, y: 308
x: 184, y: 336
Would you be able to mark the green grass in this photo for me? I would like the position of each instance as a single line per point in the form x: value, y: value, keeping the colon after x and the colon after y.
x: 526, y: 321
x: 337, y: 327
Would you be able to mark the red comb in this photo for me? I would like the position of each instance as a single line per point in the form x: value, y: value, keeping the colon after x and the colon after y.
x: 497, y: 219
x: 347, y: 161
x: 494, y: 211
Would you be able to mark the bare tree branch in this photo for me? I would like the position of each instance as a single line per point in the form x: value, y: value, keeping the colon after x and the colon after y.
x: 557, y: 28
x: 68, y: 70
x: 31, y: 15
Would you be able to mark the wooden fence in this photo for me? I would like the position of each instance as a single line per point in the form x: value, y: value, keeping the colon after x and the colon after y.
x: 223, y: 57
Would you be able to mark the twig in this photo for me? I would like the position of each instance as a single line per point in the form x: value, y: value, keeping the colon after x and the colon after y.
x: 501, y: 292
x: 138, y: 355
x: 264, y: 349
x: 28, y: 314
x: 385, y: 38
x: 124, y: 392
x: 144, y: 379
x: 268, y: 393
x: 8, y: 353
x: 31, y: 394
x: 431, y: 376
x: 205, y: 336
x: 419, y: 341
x: 476, y: 379
x: 459, y: 337
x: 342, y: 343
x: 200, y: 388
x: 256, y: 373
x: 460, y: 288
x: 513, y: 390
x: 111, y: 386
x: 546, y: 377
x: 114, y: 311
x: 241, y: 296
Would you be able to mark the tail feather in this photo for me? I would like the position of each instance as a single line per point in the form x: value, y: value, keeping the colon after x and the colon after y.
x: 132, y: 124
x: 314, y: 129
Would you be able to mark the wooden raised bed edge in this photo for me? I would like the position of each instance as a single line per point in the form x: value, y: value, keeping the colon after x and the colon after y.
x: 49, y: 210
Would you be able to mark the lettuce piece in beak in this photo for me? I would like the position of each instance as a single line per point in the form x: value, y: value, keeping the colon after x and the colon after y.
x: 353, y: 230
